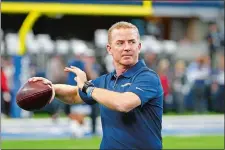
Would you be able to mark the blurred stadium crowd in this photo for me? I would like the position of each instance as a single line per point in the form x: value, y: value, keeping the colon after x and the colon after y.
x: 189, y: 58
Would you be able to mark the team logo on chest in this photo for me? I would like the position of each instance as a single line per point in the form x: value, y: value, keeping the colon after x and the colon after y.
x: 126, y: 84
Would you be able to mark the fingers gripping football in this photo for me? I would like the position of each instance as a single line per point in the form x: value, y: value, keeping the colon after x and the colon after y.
x: 45, y: 81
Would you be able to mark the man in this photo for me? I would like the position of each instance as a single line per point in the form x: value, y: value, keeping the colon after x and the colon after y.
x: 150, y: 57
x: 130, y: 97
x: 84, y: 60
x: 5, y: 94
x: 214, y: 41
x: 197, y: 74
x: 54, y: 64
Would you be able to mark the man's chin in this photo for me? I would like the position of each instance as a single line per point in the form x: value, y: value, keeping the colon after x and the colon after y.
x: 128, y: 62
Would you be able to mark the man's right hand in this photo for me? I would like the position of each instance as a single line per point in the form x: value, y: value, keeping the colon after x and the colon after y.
x: 45, y: 81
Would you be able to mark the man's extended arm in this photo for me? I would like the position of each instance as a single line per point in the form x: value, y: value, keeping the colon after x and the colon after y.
x: 67, y: 93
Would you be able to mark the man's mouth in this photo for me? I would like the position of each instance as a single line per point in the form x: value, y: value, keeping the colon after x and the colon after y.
x: 126, y: 55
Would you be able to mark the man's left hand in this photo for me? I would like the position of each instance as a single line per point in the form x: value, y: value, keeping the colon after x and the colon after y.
x: 81, y: 75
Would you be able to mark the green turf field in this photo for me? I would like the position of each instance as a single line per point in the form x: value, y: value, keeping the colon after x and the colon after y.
x: 195, y: 142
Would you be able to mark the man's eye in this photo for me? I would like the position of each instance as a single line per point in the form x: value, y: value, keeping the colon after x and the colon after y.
x: 119, y: 43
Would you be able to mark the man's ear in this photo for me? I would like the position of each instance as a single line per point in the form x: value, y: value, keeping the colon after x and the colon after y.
x: 108, y: 47
x: 139, y: 47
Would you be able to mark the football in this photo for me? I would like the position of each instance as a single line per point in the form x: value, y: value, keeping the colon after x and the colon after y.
x: 33, y: 95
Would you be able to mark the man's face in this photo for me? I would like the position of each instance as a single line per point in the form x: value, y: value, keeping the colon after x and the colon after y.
x: 124, y: 46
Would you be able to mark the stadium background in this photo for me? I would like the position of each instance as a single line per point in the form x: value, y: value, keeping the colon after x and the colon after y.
x: 170, y: 31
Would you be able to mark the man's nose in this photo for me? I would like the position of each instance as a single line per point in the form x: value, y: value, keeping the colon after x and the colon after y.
x: 127, y: 47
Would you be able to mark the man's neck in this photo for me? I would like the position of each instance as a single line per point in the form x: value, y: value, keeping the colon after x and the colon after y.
x: 120, y: 69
